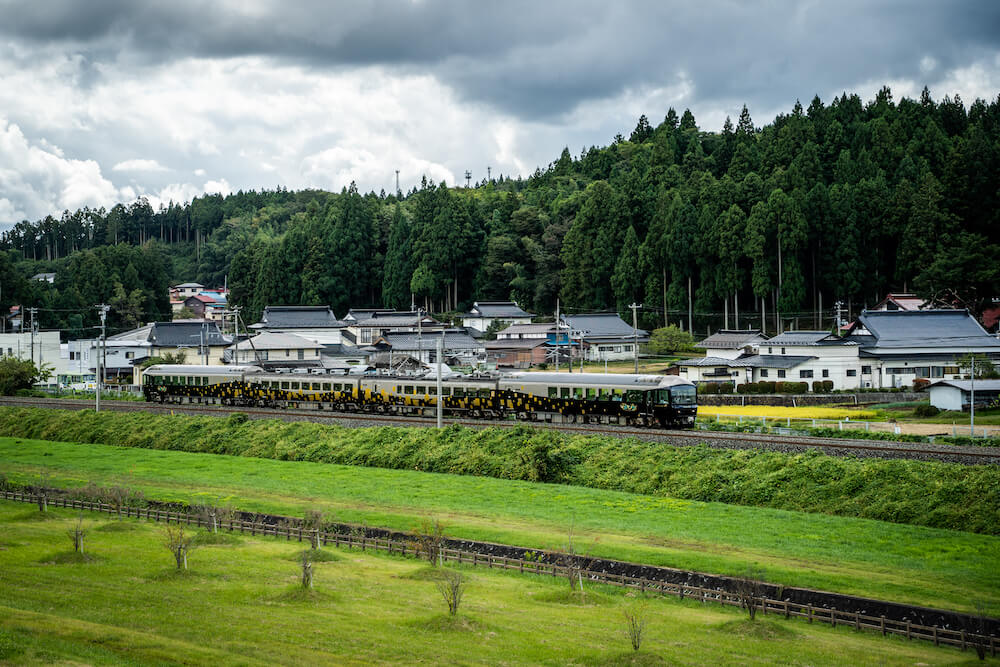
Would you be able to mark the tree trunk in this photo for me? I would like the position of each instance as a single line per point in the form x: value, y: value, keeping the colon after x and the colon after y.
x: 664, y: 296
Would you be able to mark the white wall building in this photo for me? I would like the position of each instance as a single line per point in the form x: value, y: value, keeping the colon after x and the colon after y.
x: 483, y: 314
x: 315, y: 323
x: 44, y: 350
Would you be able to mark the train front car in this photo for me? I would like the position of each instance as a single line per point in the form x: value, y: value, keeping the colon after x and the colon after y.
x: 674, y: 402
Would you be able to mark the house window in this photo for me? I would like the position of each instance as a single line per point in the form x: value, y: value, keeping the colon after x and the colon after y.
x: 782, y: 350
x: 805, y: 374
x: 302, y: 354
x: 72, y: 355
x: 130, y: 355
x: 763, y: 372
x: 866, y: 370
x: 922, y: 372
x: 937, y: 372
x: 781, y: 373
x: 826, y: 373
x: 628, y: 348
x: 288, y: 353
x: 852, y: 372
x: 770, y: 350
x: 951, y: 370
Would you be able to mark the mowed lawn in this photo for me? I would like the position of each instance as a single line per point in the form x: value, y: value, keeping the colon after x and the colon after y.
x: 917, y: 565
x: 240, y: 603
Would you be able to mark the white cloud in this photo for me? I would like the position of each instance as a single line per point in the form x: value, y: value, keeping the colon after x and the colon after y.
x: 139, y: 165
x: 220, y: 186
x: 38, y: 180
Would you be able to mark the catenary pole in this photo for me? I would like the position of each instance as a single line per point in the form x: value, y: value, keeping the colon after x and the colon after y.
x: 103, y: 312
x: 440, y: 402
x: 635, y: 334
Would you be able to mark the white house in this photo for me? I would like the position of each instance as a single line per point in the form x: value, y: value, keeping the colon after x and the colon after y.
x: 459, y: 346
x: 484, y: 314
x: 315, y: 323
x: 365, y: 332
x: 957, y: 394
x: 604, y: 336
x: 42, y: 348
x: 274, y: 350
x: 897, y: 347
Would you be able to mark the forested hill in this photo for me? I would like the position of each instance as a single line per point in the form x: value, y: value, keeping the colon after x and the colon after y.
x: 845, y: 201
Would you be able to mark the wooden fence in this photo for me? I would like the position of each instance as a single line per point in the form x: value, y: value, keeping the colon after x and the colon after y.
x: 856, y: 620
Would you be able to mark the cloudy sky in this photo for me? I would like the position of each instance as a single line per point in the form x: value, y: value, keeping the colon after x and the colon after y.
x: 103, y: 101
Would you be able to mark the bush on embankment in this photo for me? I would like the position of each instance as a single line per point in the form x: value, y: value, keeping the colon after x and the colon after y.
x: 941, y: 495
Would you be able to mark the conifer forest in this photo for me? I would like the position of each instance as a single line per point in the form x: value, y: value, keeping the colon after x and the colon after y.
x: 840, y: 201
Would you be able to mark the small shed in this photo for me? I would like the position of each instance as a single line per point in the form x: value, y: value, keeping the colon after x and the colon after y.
x: 957, y: 394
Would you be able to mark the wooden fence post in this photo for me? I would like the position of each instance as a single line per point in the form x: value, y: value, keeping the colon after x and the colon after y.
x: 810, y: 607
x: 882, y: 622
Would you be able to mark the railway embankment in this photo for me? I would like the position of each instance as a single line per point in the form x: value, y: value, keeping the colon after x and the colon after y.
x: 941, y: 495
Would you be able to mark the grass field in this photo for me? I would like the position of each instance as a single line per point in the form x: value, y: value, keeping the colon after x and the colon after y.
x: 941, y: 495
x: 931, y: 567
x: 239, y: 603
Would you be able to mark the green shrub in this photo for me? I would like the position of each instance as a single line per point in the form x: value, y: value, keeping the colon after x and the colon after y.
x: 925, y: 410
x: 726, y: 388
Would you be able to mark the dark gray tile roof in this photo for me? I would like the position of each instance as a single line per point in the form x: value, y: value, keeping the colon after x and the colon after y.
x: 923, y: 329
x: 298, y: 317
x: 499, y: 309
x: 730, y: 339
x: 186, y: 334
x: 453, y: 340
x: 601, y: 325
x: 791, y: 338
x: 357, y: 314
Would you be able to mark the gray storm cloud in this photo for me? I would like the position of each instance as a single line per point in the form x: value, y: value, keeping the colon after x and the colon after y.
x: 310, y: 94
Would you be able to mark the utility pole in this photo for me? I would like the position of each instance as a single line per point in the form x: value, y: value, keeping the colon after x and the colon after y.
x: 420, y: 336
x: 972, y: 396
x: 558, y: 351
x: 397, y: 183
x: 468, y: 178
x: 440, y: 401
x: 103, y: 312
x: 838, y: 308
x: 635, y: 334
x: 33, y: 312
x: 489, y: 173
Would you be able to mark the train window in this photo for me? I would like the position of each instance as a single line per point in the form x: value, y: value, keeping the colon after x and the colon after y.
x: 484, y: 393
x: 315, y: 386
x: 409, y: 389
x: 326, y: 386
x: 564, y: 392
x: 633, y: 396
x: 577, y: 392
x: 459, y: 391
x: 295, y: 385
x: 616, y: 395
x: 336, y: 386
x: 446, y: 391
x: 421, y: 390
x: 591, y: 393
x: 553, y: 392
x: 284, y: 385
x: 399, y: 389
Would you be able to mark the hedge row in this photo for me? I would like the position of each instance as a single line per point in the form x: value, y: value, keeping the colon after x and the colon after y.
x: 934, y: 494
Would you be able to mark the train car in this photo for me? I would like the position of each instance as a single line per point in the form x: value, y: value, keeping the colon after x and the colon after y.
x: 638, y: 400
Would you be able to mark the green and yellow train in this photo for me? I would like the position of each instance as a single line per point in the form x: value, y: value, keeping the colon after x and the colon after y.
x: 636, y: 400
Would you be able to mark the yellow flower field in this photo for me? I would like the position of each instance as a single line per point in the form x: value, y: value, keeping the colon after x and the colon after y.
x: 779, y: 412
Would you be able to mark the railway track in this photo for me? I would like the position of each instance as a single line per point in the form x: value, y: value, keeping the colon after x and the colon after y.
x: 717, y: 439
